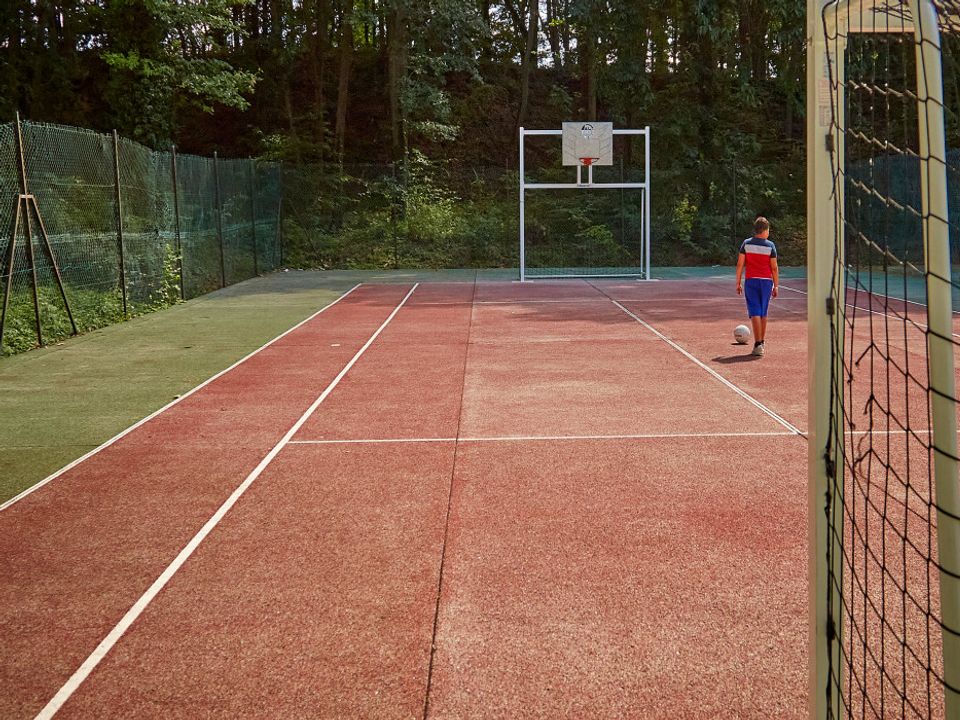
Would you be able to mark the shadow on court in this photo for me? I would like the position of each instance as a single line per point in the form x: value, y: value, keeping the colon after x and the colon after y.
x: 732, y: 359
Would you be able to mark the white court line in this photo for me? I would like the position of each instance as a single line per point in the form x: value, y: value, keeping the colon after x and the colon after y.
x: 181, y: 398
x: 571, y: 301
x: 556, y: 438
x: 739, y: 391
x: 918, y: 325
x: 548, y: 438
x: 140, y: 605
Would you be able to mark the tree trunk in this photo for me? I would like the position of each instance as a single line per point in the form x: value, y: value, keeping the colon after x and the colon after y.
x: 343, y: 85
x: 588, y: 66
x: 396, y: 71
x: 553, y: 35
x: 318, y: 68
x: 529, y: 60
x: 291, y: 122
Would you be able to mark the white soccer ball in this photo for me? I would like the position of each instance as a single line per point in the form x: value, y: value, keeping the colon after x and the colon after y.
x: 741, y: 333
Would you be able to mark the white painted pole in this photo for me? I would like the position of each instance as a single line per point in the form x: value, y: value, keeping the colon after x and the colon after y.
x: 940, y: 351
x: 644, y: 242
x: 824, y: 266
x: 523, y: 259
x: 646, y: 203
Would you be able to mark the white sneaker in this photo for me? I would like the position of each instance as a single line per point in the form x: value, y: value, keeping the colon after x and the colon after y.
x: 758, y: 350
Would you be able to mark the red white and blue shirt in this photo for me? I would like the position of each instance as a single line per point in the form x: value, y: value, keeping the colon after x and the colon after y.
x: 758, y: 254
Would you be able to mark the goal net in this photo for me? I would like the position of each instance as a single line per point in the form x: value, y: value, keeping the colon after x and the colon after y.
x: 584, y: 202
x: 883, y: 193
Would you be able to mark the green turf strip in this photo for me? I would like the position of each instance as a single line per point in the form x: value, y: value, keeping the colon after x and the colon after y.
x: 59, y: 402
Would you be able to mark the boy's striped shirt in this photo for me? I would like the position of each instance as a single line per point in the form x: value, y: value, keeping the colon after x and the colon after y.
x: 758, y: 254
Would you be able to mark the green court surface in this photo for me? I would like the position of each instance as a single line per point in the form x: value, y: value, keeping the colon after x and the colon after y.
x: 60, y: 402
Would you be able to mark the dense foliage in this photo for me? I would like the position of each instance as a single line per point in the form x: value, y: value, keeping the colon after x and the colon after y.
x: 434, y: 88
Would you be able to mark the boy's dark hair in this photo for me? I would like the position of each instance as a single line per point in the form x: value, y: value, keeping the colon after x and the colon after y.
x: 760, y: 225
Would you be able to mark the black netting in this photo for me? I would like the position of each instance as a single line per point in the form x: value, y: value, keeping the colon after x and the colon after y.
x: 125, y: 239
x: 417, y: 214
x: 70, y: 173
x: 196, y: 192
x: 236, y: 197
x: 267, y: 207
x: 149, y: 240
x: 891, y: 508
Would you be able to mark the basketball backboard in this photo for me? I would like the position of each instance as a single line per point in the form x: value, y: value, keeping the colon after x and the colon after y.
x: 587, y: 143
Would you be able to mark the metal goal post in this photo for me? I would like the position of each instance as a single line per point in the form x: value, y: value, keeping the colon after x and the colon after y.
x: 643, y: 270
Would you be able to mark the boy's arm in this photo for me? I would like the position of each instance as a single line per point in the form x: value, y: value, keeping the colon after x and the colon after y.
x: 741, y: 259
x: 776, y: 276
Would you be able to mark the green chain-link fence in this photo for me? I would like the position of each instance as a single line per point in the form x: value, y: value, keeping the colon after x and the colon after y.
x: 131, y: 229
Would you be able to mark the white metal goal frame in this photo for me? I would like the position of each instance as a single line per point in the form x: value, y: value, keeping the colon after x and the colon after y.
x: 829, y: 23
x: 588, y: 184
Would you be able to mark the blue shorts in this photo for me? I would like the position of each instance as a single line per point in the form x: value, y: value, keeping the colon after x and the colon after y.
x: 757, y: 292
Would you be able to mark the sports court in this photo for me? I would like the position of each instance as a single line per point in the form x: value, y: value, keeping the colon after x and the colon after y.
x: 345, y: 479
x: 442, y: 499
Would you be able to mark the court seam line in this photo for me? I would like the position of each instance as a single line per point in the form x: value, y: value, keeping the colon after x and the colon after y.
x: 446, y: 524
x: 123, y: 433
x: 738, y: 390
x: 137, y: 609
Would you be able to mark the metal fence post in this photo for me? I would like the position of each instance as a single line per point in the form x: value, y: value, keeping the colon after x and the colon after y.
x: 176, y: 217
x: 118, y: 210
x: 216, y: 180
x: 623, y: 218
x: 9, y: 255
x: 253, y: 212
x: 24, y: 192
x: 280, y: 239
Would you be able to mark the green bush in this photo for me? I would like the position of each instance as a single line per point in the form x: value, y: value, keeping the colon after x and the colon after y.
x: 92, y: 309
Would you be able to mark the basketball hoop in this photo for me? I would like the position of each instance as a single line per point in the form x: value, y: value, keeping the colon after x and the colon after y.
x: 586, y: 162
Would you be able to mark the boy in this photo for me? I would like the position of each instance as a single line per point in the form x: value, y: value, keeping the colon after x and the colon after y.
x: 758, y: 256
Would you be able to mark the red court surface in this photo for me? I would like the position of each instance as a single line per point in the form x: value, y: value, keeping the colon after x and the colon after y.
x: 443, y: 500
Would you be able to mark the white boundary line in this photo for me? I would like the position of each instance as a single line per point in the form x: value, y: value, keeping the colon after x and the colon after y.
x: 742, y: 393
x: 548, y: 438
x: 919, y: 325
x: 584, y: 301
x: 184, y: 396
x: 570, y: 301
x: 140, y: 605
x: 559, y: 438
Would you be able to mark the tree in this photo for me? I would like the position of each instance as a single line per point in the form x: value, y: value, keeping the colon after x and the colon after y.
x: 163, y: 54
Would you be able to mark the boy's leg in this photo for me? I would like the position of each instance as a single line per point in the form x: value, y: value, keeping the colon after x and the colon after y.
x: 753, y: 294
x: 766, y: 292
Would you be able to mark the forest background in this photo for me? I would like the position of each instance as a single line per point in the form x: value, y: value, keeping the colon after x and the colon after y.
x: 397, y: 120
